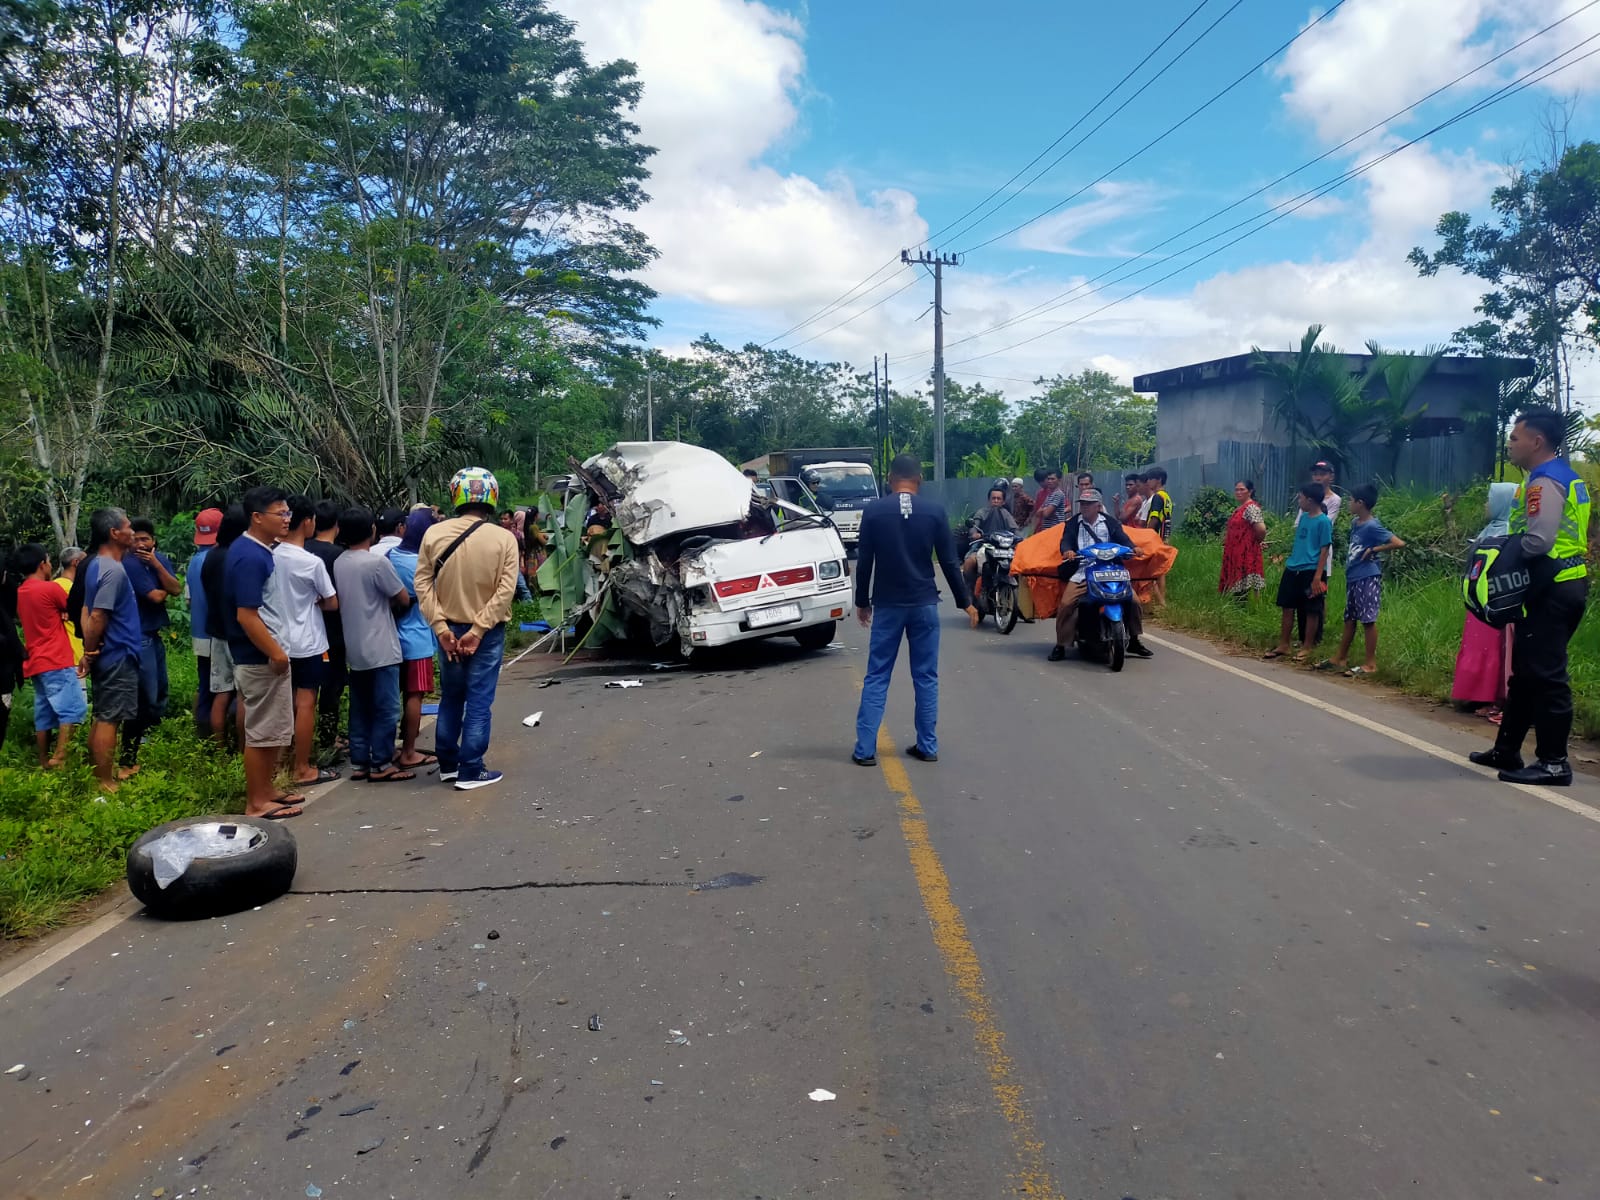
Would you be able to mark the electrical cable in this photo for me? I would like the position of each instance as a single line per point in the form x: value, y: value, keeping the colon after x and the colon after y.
x: 1061, y: 298
x: 1520, y: 84
x: 1160, y: 137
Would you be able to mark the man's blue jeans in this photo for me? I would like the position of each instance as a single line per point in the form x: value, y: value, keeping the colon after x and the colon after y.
x: 920, y: 627
x: 466, y: 700
x: 152, y: 695
x: 374, y: 714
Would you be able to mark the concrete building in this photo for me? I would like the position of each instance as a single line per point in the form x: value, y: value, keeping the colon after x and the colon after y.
x: 1232, y: 400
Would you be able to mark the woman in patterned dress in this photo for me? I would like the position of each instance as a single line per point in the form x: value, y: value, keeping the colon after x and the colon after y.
x: 1242, y: 568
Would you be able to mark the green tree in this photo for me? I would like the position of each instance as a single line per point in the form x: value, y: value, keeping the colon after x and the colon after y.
x: 1317, y: 398
x: 404, y: 197
x: 1541, y: 256
x: 1085, y: 420
x: 1395, y: 411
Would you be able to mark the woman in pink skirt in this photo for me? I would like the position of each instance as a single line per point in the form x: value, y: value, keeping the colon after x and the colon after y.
x: 1483, y: 664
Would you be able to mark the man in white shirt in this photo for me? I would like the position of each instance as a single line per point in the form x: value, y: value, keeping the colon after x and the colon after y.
x: 307, y: 591
x: 1090, y: 526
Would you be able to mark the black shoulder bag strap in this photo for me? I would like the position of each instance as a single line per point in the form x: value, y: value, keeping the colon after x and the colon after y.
x: 455, y: 545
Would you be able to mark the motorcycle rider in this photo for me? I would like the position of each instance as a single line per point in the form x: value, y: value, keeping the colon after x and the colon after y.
x: 1089, y: 526
x: 994, y: 519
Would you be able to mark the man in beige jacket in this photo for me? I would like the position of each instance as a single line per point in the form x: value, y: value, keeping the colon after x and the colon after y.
x: 466, y: 579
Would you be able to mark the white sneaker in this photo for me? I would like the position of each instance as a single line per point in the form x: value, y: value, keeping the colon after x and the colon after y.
x: 448, y: 776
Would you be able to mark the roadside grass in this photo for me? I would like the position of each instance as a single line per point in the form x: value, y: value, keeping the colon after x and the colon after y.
x: 61, y: 843
x: 1419, y: 628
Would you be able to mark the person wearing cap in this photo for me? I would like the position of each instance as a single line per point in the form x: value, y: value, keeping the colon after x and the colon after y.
x: 206, y: 523
x: 1089, y: 526
x: 466, y: 579
x: 1021, y: 503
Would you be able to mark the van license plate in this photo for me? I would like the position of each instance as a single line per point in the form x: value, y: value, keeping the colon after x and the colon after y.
x: 778, y: 614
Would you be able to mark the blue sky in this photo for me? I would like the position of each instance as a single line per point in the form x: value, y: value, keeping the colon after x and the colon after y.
x: 801, y: 146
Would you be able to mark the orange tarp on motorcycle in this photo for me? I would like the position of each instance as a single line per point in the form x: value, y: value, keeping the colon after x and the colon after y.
x: 1038, y: 557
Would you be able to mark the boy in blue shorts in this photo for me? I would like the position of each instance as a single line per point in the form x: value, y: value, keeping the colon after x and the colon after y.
x: 1363, y: 582
x: 1304, y: 584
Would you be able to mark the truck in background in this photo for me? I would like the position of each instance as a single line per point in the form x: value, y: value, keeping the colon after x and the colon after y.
x: 833, y: 480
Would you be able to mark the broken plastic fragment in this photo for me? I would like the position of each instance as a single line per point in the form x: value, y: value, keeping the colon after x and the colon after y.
x: 757, y: 754
x: 822, y: 1094
x: 313, y: 1191
x: 369, y: 1147
x: 594, y: 1023
x: 624, y: 683
x: 544, y: 683
x: 15, y: 1069
x: 533, y: 719
x: 350, y: 1023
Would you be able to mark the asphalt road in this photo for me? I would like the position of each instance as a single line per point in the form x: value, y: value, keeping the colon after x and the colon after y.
x: 1166, y: 935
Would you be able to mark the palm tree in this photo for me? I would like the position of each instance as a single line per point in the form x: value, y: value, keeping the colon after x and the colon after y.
x: 1316, y: 397
x: 1402, y: 374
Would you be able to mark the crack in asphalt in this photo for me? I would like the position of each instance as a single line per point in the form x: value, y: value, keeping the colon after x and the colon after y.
x: 728, y: 880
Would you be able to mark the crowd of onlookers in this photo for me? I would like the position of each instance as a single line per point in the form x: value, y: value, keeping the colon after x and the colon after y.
x: 294, y: 604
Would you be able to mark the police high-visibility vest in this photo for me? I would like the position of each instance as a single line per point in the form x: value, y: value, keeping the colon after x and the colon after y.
x: 1571, y: 548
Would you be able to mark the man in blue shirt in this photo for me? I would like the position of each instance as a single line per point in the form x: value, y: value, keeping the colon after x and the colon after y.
x: 254, y: 620
x: 1304, y: 584
x: 111, y: 638
x: 150, y: 572
x: 900, y: 536
x: 206, y: 524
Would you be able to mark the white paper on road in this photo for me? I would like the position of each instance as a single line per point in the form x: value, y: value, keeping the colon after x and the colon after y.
x: 533, y: 719
x: 822, y: 1094
x: 625, y: 683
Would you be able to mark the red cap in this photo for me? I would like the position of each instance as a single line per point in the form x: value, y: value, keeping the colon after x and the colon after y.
x: 206, y: 523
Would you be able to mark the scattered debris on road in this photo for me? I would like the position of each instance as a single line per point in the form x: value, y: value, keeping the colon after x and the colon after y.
x: 544, y: 683
x: 821, y: 1094
x: 677, y: 1038
x: 728, y: 880
x: 624, y: 683
x: 369, y: 1147
x: 494, y: 935
x: 15, y: 1069
x: 359, y: 1109
x: 532, y: 719
x: 594, y: 1023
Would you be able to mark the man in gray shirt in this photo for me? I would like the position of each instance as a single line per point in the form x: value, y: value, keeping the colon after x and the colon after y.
x: 370, y: 594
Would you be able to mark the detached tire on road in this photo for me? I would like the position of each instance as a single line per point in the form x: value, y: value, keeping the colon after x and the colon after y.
x: 817, y: 637
x: 237, y: 863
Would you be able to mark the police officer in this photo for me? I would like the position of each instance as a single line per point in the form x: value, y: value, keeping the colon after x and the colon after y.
x: 901, y: 535
x: 1551, y: 513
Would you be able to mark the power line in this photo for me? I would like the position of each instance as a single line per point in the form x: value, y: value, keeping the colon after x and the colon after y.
x: 1163, y: 135
x: 859, y: 315
x: 1061, y: 298
x: 1521, y: 83
x: 1053, y: 163
x: 1089, y: 112
x: 837, y: 303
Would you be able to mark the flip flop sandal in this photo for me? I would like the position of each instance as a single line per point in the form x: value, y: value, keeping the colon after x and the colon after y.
x: 1272, y: 654
x: 325, y: 775
x: 1358, y: 673
x: 428, y: 759
x: 1327, y: 664
x: 391, y: 776
x: 282, y: 812
x: 360, y: 775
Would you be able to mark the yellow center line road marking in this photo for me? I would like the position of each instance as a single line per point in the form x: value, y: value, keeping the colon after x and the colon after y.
x: 1548, y: 795
x: 1032, y: 1175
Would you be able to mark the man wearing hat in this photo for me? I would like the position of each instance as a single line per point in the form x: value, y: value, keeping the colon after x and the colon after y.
x: 467, y: 570
x: 1090, y: 525
x: 206, y: 523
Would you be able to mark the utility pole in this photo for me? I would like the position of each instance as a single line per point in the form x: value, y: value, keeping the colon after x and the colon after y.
x: 649, y: 409
x: 877, y: 420
x: 938, y: 262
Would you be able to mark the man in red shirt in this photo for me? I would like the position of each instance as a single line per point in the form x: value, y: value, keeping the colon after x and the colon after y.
x: 58, y: 700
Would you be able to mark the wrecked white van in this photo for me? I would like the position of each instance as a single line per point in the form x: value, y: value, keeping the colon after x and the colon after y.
x: 698, y: 570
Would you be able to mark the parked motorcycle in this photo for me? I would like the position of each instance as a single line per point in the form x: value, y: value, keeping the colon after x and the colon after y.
x: 1102, y: 634
x: 996, y: 593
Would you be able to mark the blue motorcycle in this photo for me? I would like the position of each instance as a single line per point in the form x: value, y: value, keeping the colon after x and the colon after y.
x: 1102, y: 634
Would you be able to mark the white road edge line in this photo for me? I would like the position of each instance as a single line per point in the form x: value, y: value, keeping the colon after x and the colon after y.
x: 45, y: 959
x: 1548, y: 795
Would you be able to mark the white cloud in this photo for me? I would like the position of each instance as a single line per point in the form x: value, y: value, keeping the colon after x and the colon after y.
x: 721, y: 79
x: 1374, y: 57
x: 1112, y: 202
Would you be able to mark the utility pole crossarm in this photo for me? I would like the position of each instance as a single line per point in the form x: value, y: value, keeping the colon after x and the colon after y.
x: 938, y: 262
